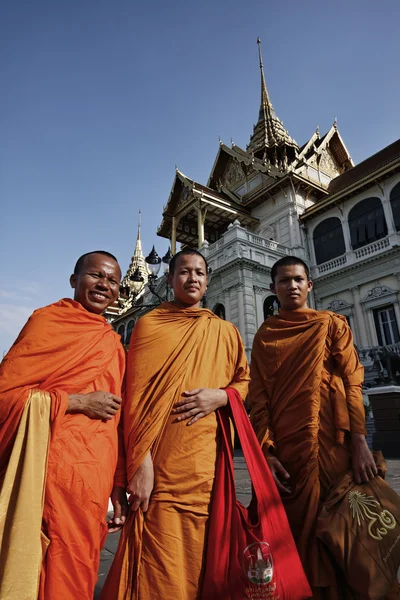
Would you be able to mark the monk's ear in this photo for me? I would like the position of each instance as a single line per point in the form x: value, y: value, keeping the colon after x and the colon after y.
x: 272, y: 287
x: 310, y: 285
x: 72, y: 281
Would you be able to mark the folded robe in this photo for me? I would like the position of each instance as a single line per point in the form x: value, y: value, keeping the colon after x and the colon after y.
x: 161, y: 553
x: 305, y: 397
x: 64, y: 349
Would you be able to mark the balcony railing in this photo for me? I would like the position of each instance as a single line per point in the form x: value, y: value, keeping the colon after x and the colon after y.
x: 354, y: 256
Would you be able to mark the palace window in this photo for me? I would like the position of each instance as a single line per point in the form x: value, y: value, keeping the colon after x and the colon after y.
x: 395, y: 204
x: 131, y: 325
x: 219, y: 310
x: 367, y: 222
x: 121, y: 332
x: 271, y: 306
x: 386, y: 325
x: 328, y: 240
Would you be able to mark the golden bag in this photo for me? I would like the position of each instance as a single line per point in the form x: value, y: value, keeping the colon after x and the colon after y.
x: 360, y: 526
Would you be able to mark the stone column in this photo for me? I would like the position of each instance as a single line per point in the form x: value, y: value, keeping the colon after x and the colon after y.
x: 373, y: 338
x: 387, y: 211
x: 200, y: 227
x: 318, y: 304
x: 361, y: 337
x: 242, y: 327
x: 258, y: 291
x: 397, y: 312
x: 346, y: 235
x: 227, y: 303
x: 173, y: 235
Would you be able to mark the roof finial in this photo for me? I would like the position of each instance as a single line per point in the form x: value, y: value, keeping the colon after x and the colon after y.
x: 335, y: 123
x: 259, y: 52
x: 139, y: 223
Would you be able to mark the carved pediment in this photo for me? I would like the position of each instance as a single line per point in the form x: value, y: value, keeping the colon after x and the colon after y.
x: 327, y: 163
x: 337, y: 305
x: 378, y: 292
x: 234, y: 173
x: 185, y: 197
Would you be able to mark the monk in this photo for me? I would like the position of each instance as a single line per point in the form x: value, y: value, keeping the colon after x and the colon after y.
x: 60, y: 398
x: 307, y: 410
x: 181, y: 360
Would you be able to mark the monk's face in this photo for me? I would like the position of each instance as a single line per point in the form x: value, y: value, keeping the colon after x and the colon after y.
x: 189, y: 280
x: 292, y: 287
x: 97, y: 284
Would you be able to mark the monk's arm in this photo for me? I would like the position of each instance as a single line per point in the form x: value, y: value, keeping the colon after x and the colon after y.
x: 351, y: 372
x: 241, y: 378
x: 259, y: 401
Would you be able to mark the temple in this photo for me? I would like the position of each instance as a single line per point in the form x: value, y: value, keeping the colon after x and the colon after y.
x: 276, y: 198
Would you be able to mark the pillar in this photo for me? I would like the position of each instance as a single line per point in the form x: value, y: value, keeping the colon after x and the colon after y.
x: 362, y: 339
x: 173, y: 235
x: 200, y: 227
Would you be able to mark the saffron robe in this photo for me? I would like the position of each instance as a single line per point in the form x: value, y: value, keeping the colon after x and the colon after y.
x: 64, y: 349
x: 161, y: 553
x: 306, y: 398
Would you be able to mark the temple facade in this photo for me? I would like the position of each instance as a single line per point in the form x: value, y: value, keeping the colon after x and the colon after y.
x: 277, y: 198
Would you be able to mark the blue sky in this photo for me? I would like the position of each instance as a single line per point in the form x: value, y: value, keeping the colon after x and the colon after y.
x: 101, y: 99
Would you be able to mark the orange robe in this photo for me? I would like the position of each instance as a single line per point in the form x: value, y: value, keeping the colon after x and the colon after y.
x: 305, y: 398
x: 161, y: 553
x: 63, y: 349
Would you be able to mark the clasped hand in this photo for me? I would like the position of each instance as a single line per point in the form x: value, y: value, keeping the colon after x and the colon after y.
x: 198, y: 403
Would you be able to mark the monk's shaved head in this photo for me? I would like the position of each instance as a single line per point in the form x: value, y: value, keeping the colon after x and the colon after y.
x: 81, y: 260
x: 289, y: 261
x: 185, y: 252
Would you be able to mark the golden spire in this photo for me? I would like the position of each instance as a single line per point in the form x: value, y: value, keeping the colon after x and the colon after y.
x: 269, y: 132
x: 137, y: 260
x: 266, y: 108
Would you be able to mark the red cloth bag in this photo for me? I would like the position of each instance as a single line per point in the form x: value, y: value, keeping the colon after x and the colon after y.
x: 251, y: 554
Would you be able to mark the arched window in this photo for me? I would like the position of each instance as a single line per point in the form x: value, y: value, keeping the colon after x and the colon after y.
x: 328, y: 240
x: 271, y: 306
x: 367, y: 222
x: 121, y: 332
x: 219, y: 310
x: 131, y: 325
x: 395, y: 204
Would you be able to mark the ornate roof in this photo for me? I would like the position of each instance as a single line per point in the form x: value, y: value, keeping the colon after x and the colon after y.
x: 270, y: 139
x: 137, y: 262
x: 375, y: 168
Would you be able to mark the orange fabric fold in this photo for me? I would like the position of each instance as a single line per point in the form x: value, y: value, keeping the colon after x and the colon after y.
x: 172, y: 350
x: 305, y: 398
x: 63, y: 349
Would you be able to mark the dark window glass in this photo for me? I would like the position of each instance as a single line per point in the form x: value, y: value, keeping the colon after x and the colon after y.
x: 271, y: 306
x: 219, y: 310
x: 367, y: 222
x: 121, y: 331
x: 131, y: 325
x: 386, y: 326
x: 395, y: 204
x: 328, y: 240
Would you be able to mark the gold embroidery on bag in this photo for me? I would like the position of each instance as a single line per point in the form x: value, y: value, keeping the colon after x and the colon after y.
x: 361, y: 506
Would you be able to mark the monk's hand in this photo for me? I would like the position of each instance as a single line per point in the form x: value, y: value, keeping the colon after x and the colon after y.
x: 95, y: 405
x: 279, y: 474
x: 141, y: 485
x: 364, y: 467
x: 120, y: 504
x: 198, y: 403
